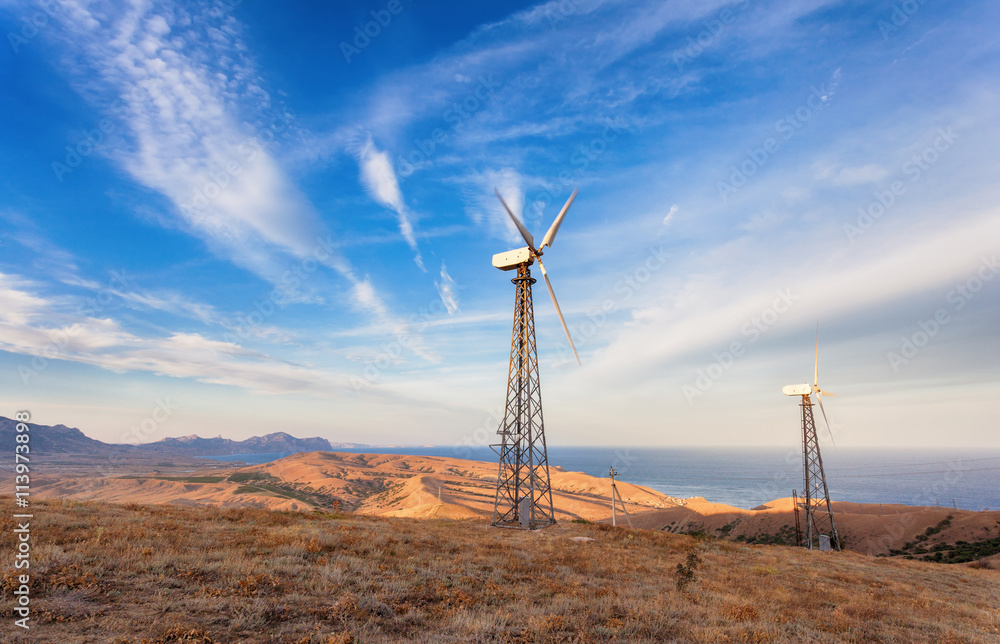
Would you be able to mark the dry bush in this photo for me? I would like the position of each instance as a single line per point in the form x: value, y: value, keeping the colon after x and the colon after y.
x: 746, y: 612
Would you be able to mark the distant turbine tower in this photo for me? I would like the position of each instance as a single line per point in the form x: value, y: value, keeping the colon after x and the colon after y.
x: 819, y: 523
x: 524, y: 494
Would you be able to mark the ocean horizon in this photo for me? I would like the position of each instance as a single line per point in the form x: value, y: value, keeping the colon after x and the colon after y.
x: 967, y: 479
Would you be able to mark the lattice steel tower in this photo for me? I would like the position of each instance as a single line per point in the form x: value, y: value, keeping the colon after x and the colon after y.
x: 821, y: 529
x: 524, y: 493
x: 819, y: 513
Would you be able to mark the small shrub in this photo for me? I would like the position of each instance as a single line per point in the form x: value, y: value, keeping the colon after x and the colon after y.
x: 686, y: 572
x: 742, y: 613
x: 726, y: 529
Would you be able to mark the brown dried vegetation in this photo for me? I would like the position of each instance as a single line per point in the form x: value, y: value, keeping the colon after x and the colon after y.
x: 165, y: 574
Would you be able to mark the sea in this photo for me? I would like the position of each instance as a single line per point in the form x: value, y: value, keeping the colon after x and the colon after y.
x: 749, y: 477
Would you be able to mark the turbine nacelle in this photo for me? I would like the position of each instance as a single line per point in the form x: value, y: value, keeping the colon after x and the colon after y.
x: 806, y: 389
x: 526, y: 256
x: 513, y: 258
x: 797, y: 390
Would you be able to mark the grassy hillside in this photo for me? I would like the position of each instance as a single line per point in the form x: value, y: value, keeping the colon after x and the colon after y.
x: 110, y: 573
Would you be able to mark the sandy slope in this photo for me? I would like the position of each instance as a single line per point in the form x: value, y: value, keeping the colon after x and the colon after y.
x: 152, y: 491
x: 424, y: 486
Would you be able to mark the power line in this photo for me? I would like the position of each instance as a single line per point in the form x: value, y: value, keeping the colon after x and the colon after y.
x: 865, y: 476
x: 869, y: 476
x: 951, y: 462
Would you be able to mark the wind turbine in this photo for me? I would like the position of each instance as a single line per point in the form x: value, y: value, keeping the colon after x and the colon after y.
x: 818, y: 523
x: 524, y: 494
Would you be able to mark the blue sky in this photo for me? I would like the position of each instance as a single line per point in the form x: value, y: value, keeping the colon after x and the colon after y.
x: 263, y: 218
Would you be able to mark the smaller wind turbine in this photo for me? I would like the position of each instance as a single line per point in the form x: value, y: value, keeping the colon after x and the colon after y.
x: 816, y: 489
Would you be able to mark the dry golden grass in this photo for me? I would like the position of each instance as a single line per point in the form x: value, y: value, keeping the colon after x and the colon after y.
x: 110, y: 573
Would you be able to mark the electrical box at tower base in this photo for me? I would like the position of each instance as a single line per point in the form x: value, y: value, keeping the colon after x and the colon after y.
x: 524, y: 512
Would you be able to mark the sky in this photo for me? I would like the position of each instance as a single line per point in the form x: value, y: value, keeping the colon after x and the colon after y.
x: 232, y: 217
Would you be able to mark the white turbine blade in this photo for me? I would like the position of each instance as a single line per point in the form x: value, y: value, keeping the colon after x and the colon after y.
x: 819, y: 399
x: 552, y: 294
x: 816, y: 370
x: 524, y: 231
x: 554, y: 228
x: 826, y: 393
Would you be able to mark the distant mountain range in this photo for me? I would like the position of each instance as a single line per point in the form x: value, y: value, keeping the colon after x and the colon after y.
x: 270, y: 443
x: 54, y: 439
x: 60, y: 439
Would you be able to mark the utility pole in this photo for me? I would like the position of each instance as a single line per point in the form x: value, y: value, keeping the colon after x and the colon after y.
x: 612, y: 472
x: 798, y: 526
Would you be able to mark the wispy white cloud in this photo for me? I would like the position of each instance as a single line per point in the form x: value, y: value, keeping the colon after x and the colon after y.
x: 544, y: 93
x: 485, y: 209
x: 40, y: 329
x: 670, y: 215
x: 198, y: 127
x: 851, y: 175
x: 379, y: 179
x: 172, y: 302
x: 447, y: 290
x: 17, y: 305
x: 704, y: 311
